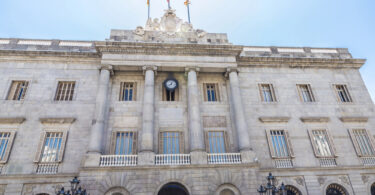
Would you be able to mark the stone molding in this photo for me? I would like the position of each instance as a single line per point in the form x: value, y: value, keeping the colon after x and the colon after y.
x: 66, y: 120
x: 315, y: 119
x: 354, y: 119
x: 15, y: 120
x: 153, y: 68
x: 276, y: 119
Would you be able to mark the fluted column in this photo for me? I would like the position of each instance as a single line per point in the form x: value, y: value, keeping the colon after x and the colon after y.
x: 97, y: 128
x: 239, y: 118
x: 146, y: 147
x: 197, y: 146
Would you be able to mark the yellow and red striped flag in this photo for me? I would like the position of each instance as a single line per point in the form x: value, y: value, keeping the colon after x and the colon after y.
x: 148, y: 2
x: 187, y: 2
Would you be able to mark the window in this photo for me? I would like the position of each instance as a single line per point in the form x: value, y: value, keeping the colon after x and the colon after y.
x: 279, y: 143
x: 171, y: 143
x: 127, y: 91
x: 211, y: 91
x: 267, y: 93
x: 216, y: 142
x: 6, y: 140
x: 170, y: 96
x: 306, y: 93
x: 65, y: 91
x: 322, y: 143
x: 18, y: 90
x: 51, y: 147
x: 343, y: 93
x: 124, y: 143
x: 362, y: 142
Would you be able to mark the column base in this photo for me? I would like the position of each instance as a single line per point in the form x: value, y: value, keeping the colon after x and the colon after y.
x: 146, y: 158
x: 92, y: 159
x: 248, y: 156
x: 198, y: 158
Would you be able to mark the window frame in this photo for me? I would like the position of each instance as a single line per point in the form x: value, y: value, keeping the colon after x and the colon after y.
x: 346, y: 90
x: 134, y: 95
x: 272, y: 90
x: 288, y: 144
x: 165, y: 91
x: 181, y: 141
x: 43, y: 136
x: 216, y: 89
x: 329, y: 141
x: 11, y: 87
x: 114, y: 138
x: 225, y: 137
x: 11, y: 139
x: 311, y: 93
x: 356, y: 144
x: 75, y: 88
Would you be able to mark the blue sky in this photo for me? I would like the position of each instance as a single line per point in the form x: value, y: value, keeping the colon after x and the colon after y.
x: 315, y: 23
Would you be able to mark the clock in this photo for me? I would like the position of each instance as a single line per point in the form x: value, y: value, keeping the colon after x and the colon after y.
x: 170, y: 84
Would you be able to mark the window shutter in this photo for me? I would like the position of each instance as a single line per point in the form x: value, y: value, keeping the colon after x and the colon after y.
x: 9, y: 147
x: 355, y: 143
x: 217, y: 92
x: 121, y: 89
x: 40, y: 147
x: 182, y: 142
x: 311, y: 135
x: 134, y: 91
x: 161, y: 148
x: 274, y: 99
x: 260, y: 92
x: 290, y: 147
x: 113, y: 142
x: 135, y: 142
x: 311, y: 93
x: 268, y: 133
x: 331, y: 144
x: 63, y: 143
x: 226, y: 142
x: 205, y: 92
x: 207, y: 142
x: 371, y: 139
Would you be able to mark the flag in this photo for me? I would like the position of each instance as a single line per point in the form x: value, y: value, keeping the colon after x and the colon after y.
x: 148, y: 2
x: 187, y: 2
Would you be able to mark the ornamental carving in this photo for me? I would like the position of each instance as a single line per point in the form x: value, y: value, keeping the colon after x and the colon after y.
x: 344, y: 179
x: 299, y: 181
x: 321, y: 180
x: 365, y: 178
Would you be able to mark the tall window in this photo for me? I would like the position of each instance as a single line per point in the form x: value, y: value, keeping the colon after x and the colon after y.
x: 267, y: 92
x: 52, y: 147
x: 306, y: 93
x: 127, y: 91
x: 323, y: 146
x: 170, y: 96
x: 125, y: 143
x: 343, y: 93
x: 6, y: 139
x: 18, y: 90
x: 362, y: 142
x: 279, y: 144
x: 171, y: 142
x: 65, y: 91
x: 211, y: 92
x: 216, y: 141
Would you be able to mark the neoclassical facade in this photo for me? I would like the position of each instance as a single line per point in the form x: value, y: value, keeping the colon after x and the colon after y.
x: 168, y: 109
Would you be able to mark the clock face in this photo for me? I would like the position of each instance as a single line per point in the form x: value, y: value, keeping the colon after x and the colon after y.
x: 170, y: 84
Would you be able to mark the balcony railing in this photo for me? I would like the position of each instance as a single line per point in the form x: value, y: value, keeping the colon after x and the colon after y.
x: 172, y: 159
x: 368, y: 161
x: 47, y: 168
x: 224, y: 158
x: 283, y: 163
x: 327, y: 162
x: 118, y: 160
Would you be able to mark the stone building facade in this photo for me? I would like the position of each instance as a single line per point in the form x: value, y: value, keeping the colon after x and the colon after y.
x: 168, y: 107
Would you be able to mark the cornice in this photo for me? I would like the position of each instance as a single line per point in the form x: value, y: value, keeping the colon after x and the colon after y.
x: 168, y: 49
x: 276, y: 119
x: 315, y: 119
x: 10, y: 120
x: 67, y: 120
x: 300, y: 62
x: 354, y: 119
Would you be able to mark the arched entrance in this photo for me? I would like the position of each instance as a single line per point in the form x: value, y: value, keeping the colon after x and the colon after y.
x: 373, y: 189
x: 173, y: 189
x: 336, y: 189
x: 291, y: 190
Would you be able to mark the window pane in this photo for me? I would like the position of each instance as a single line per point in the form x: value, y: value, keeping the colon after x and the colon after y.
x: 343, y: 93
x: 211, y: 92
x: 52, y: 147
x: 171, y: 142
x: 65, y: 91
x: 266, y: 90
x: 4, y: 140
x: 216, y: 142
x: 126, y: 91
x: 124, y: 143
x: 279, y: 143
x: 320, y: 138
x: 363, y: 142
x: 18, y: 90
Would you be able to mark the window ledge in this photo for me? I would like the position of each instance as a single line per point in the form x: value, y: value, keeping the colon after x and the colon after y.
x: 276, y: 119
x: 67, y: 120
x: 15, y: 120
x: 355, y: 119
x: 315, y: 119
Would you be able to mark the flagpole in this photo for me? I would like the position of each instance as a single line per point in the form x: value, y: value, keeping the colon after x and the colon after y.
x: 169, y: 4
x: 188, y: 9
x: 148, y: 3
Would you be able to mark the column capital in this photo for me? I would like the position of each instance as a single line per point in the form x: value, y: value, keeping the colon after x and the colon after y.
x: 229, y: 70
x: 196, y: 69
x: 150, y: 67
x: 107, y: 67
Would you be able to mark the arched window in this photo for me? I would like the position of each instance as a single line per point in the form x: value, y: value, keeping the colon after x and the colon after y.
x: 227, y: 189
x: 291, y: 190
x: 373, y: 189
x: 173, y: 189
x: 117, y: 191
x: 336, y: 189
x: 227, y: 192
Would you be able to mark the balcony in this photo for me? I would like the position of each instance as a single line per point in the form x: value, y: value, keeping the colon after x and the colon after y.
x: 172, y: 159
x: 283, y: 163
x: 327, y: 162
x: 368, y: 161
x: 224, y: 158
x: 47, y: 168
x: 118, y: 160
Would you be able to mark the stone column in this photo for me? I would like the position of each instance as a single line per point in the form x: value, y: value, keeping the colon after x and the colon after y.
x: 239, y: 118
x: 197, y: 146
x: 97, y: 129
x: 146, y: 148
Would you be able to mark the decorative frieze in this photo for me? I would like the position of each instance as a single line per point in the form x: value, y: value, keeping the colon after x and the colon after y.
x: 214, y: 121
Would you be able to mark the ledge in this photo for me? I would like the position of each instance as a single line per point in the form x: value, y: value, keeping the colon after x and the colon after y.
x: 315, y: 119
x: 16, y: 120
x: 274, y: 119
x: 57, y: 120
x: 354, y: 119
